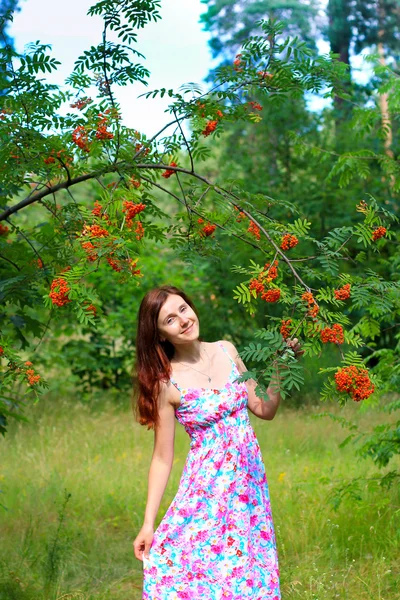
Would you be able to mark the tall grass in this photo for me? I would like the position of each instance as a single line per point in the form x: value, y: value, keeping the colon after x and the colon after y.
x: 74, y: 485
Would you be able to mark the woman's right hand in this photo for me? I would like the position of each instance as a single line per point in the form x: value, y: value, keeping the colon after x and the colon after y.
x: 143, y: 541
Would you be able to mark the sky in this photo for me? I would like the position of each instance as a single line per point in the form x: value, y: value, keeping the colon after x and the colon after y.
x: 176, y: 51
x: 175, y: 48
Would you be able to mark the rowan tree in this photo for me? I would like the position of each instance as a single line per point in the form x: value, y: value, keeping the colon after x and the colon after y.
x: 47, y: 156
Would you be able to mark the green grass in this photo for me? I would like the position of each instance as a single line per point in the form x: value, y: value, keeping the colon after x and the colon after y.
x: 54, y: 546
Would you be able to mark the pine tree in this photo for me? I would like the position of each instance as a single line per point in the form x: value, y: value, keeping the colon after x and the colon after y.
x: 231, y: 22
x: 377, y: 22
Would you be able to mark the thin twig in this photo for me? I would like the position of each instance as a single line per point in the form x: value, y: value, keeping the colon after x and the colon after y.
x: 28, y: 241
x: 197, y: 213
x: 186, y: 143
x: 54, y: 213
x: 46, y: 327
x: 10, y: 261
x: 203, y: 195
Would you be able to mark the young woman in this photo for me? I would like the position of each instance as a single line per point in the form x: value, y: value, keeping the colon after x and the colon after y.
x: 216, y: 540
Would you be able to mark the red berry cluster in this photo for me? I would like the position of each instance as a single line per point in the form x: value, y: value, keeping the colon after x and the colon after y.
x: 64, y: 161
x: 139, y: 147
x: 210, y: 127
x: 334, y: 334
x: 81, y: 103
x: 103, y: 121
x: 98, y: 212
x: 95, y: 231
x: 264, y: 74
x: 271, y: 295
x: 255, y: 105
x: 132, y: 267
x: 268, y: 274
x: 30, y: 374
x: 343, y: 293
x: 254, y: 230
x: 257, y: 285
x: 114, y: 264
x: 208, y: 229
x: 237, y: 63
x: 4, y: 230
x: 167, y: 174
x: 134, y: 182
x: 241, y: 216
x: 1, y: 351
x: 131, y: 209
x: 139, y: 230
x: 313, y: 308
x: 91, y: 308
x: 121, y: 264
x: 59, y: 292
x: 98, y: 208
x: 285, y: 328
x: 80, y: 138
x: 289, y: 241
x: 201, y: 106
x: 355, y: 382
x: 90, y: 250
x: 378, y: 233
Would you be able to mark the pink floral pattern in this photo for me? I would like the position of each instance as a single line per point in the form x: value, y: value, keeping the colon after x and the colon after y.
x: 216, y: 540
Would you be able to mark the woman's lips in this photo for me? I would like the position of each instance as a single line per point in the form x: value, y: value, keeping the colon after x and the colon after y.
x: 188, y: 329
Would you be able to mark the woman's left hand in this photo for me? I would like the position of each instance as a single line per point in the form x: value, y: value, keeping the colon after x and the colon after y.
x: 294, y: 345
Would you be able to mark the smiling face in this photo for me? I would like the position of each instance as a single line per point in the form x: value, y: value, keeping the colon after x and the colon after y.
x: 177, y: 322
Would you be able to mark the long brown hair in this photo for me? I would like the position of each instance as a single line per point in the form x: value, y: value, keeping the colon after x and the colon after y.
x: 152, y: 355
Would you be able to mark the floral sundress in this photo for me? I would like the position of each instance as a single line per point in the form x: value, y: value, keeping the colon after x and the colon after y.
x: 216, y: 540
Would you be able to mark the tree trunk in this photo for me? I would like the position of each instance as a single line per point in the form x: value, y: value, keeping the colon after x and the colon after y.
x: 339, y: 34
x: 384, y: 98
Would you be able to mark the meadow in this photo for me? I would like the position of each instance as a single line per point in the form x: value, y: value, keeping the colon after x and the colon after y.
x: 74, y: 483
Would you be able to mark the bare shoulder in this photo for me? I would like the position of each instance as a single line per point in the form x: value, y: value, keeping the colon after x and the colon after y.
x: 168, y: 396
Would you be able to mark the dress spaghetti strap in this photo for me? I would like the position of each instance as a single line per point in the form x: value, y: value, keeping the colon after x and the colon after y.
x: 226, y: 352
x: 172, y: 380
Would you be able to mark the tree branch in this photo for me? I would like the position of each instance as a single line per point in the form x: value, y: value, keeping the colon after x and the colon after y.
x: 229, y: 196
x: 10, y: 261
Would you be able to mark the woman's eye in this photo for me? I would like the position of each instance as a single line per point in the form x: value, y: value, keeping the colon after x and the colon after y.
x: 183, y: 308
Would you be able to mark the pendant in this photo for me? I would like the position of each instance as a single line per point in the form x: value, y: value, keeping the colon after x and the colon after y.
x: 209, y: 380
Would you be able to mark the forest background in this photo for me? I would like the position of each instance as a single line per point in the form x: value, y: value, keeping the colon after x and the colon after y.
x: 74, y: 464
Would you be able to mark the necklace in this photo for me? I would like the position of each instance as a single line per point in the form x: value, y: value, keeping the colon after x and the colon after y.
x: 209, y: 366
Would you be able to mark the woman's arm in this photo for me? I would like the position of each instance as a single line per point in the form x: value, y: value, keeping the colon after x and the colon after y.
x: 260, y: 408
x: 163, y: 456
x: 159, y: 472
